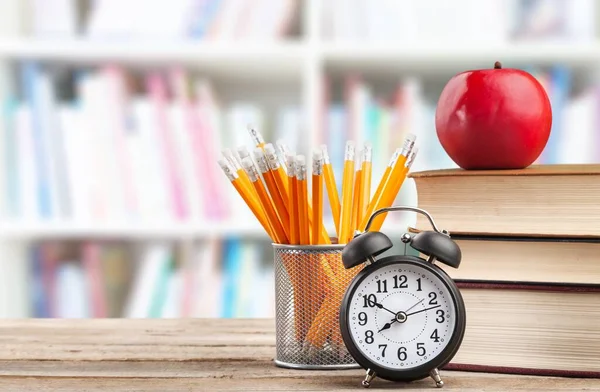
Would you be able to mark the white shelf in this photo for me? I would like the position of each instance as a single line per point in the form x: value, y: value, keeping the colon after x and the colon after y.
x: 128, y: 231
x: 429, y: 57
x: 279, y: 60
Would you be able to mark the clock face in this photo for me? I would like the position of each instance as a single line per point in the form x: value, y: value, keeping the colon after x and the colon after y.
x: 401, y: 316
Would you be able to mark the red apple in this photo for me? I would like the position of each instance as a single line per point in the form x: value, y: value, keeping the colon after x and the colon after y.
x: 493, y: 118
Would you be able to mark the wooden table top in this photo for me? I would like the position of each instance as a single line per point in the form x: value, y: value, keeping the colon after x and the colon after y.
x: 193, y: 355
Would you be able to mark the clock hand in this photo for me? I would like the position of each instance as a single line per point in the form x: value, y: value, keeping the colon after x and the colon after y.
x: 406, y: 311
x: 423, y: 310
x: 380, y: 306
x: 387, y: 325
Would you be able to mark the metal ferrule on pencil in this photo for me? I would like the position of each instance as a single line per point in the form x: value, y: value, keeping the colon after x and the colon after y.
x: 367, y: 153
x: 261, y: 161
x: 411, y: 158
x: 350, y: 150
x: 228, y: 169
x: 409, y: 143
x: 290, y: 162
x: 317, y: 168
x: 300, y: 167
x: 394, y: 158
x: 250, y: 168
x: 271, y: 155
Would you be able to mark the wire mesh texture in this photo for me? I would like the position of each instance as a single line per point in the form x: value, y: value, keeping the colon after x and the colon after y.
x: 310, y: 282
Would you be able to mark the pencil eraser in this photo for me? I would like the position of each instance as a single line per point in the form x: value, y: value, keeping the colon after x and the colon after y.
x: 227, y: 169
x: 223, y: 163
x: 317, y: 154
x: 300, y: 160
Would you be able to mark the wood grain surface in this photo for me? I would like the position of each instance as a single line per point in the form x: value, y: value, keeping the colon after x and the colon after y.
x: 193, y: 355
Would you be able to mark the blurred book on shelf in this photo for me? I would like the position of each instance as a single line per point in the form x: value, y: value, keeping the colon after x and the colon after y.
x: 459, y: 21
x: 144, y: 20
x: 112, y: 146
x: 227, y: 278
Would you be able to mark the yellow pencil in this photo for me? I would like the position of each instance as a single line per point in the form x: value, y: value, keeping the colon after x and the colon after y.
x: 391, y: 192
x: 332, y: 192
x: 277, y: 169
x: 347, y: 187
x: 237, y: 165
x: 264, y: 198
x: 243, y: 152
x: 382, y: 182
x: 245, y: 193
x: 302, y: 200
x: 317, y: 196
x: 365, y: 184
x: 279, y: 202
x: 290, y: 160
x: 409, y: 143
x: 282, y: 150
x: 356, y: 192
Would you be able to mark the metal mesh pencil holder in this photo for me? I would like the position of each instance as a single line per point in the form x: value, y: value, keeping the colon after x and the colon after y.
x: 310, y: 282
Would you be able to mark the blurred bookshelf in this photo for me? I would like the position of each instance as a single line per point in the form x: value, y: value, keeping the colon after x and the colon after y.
x: 143, y: 178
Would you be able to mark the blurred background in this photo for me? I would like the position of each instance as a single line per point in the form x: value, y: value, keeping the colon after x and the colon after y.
x: 114, y: 113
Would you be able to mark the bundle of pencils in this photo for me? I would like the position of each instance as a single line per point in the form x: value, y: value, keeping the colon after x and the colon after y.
x: 274, y: 183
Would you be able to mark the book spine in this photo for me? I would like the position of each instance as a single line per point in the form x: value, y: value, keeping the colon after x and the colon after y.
x: 464, y: 367
x: 158, y: 95
x: 30, y: 79
x: 95, y: 279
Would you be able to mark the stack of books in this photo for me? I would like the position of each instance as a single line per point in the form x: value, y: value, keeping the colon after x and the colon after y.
x: 530, y: 274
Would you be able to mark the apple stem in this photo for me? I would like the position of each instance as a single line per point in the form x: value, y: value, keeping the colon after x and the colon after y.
x: 497, y: 65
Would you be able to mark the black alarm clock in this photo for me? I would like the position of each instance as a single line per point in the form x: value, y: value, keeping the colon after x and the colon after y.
x: 402, y: 317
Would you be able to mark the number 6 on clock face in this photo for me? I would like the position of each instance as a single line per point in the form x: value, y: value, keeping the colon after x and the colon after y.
x: 402, y: 317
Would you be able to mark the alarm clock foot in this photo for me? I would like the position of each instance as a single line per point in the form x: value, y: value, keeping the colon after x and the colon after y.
x: 435, y: 374
x: 368, y: 378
